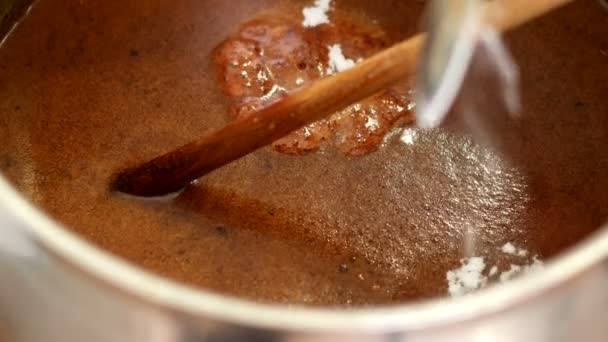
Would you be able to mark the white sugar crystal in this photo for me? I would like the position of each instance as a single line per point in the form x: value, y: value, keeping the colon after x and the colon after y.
x: 517, y: 270
x: 317, y: 14
x: 337, y: 61
x: 467, y: 277
x: 408, y: 136
x: 371, y: 123
x: 509, y: 248
x: 511, y: 273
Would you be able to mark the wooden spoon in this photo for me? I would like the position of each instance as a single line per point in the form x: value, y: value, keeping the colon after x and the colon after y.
x: 174, y: 170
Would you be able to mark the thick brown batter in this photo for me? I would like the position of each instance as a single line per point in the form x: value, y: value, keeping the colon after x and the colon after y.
x: 89, y: 87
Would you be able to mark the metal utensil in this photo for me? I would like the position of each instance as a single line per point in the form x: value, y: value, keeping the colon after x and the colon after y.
x: 451, y: 27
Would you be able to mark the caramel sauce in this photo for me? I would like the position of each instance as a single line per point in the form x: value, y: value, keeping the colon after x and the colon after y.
x: 273, y: 55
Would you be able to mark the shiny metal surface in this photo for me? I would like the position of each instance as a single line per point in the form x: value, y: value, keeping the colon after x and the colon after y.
x: 451, y: 28
x: 63, y: 289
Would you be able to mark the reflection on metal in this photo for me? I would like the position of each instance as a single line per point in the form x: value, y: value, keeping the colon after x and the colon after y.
x: 451, y: 26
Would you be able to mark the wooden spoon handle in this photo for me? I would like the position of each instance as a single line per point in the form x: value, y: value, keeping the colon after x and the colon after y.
x: 509, y: 14
x: 172, y: 171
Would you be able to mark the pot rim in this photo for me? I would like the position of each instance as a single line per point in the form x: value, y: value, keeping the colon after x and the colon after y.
x: 156, y: 290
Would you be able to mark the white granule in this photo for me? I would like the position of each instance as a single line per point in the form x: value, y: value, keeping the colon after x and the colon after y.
x: 517, y: 270
x: 337, y: 61
x: 307, y: 133
x: 299, y: 81
x: 509, y: 248
x: 470, y: 276
x: 467, y: 278
x: 511, y: 273
x: 371, y: 123
x: 408, y: 136
x: 317, y: 14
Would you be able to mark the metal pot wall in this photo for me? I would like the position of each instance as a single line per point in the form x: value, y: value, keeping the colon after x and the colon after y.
x: 55, y: 286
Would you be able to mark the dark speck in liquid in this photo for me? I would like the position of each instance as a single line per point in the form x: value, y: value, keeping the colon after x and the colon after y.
x: 221, y: 230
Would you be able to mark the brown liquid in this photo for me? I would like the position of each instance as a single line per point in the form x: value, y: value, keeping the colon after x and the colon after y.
x: 87, y: 88
x: 273, y: 55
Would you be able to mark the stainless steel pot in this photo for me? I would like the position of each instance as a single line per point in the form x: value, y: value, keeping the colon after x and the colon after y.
x: 56, y: 287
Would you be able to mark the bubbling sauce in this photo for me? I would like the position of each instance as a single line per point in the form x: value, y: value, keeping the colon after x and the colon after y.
x: 90, y: 87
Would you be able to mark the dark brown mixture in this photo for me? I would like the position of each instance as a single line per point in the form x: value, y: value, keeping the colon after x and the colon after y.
x: 90, y: 87
x: 273, y: 55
